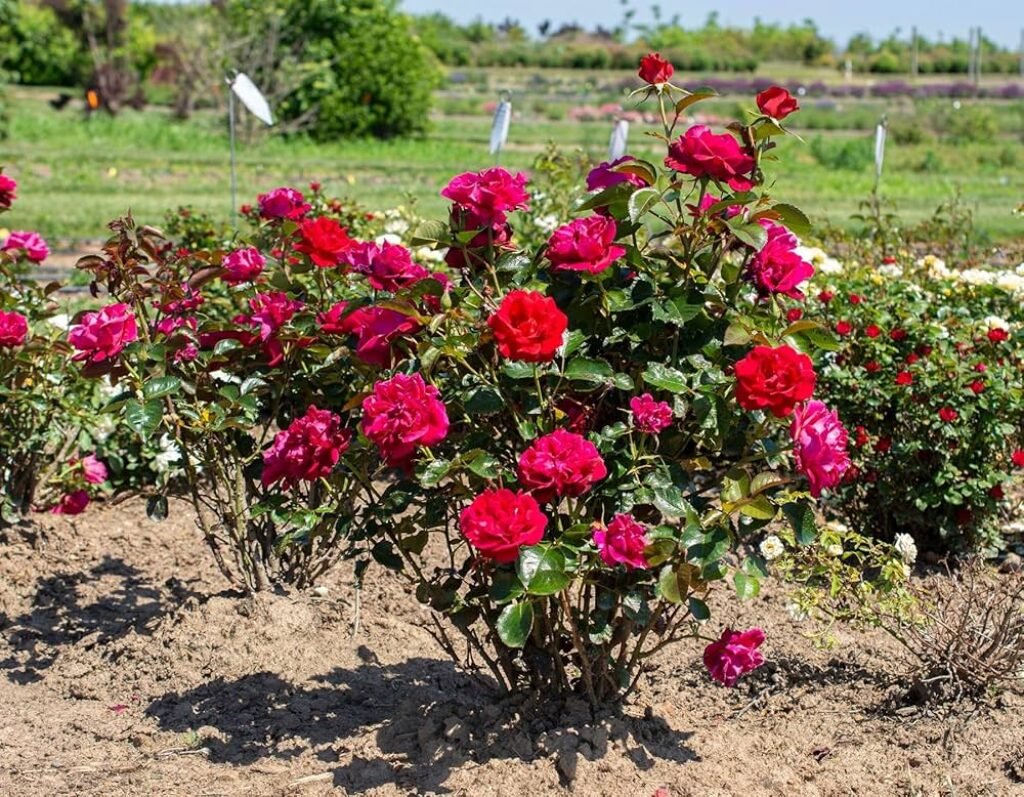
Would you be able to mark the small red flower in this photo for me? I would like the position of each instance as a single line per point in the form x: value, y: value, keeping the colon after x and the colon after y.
x: 924, y: 350
x: 883, y: 445
x: 528, y: 326
x: 825, y: 297
x: 844, y: 328
x: 904, y: 378
x: 855, y: 298
x: 912, y: 358
x: 964, y: 516
x: 898, y: 334
x: 777, y: 103
x: 872, y: 331
x: 860, y: 436
x: 794, y: 315
x: 948, y: 414
x: 998, y: 335
x: 1017, y: 457
x: 324, y: 240
x: 980, y: 368
x: 996, y: 492
x: 654, y: 69
x: 872, y: 367
x: 977, y: 387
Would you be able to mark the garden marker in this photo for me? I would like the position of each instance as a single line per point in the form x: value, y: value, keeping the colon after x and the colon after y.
x: 252, y: 98
x: 880, y: 132
x: 617, y: 143
x: 499, y: 127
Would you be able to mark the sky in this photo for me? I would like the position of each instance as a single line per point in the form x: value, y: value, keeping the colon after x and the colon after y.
x: 1000, y: 20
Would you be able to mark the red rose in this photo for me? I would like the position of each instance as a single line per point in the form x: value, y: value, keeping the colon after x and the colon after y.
x: 701, y: 153
x: 825, y: 297
x: 271, y: 311
x: 980, y: 368
x: 883, y: 445
x: 654, y: 69
x: 774, y: 379
x: 777, y: 268
x: 777, y: 103
x: 31, y: 244
x: 13, y: 328
x: 872, y: 367
x: 1017, y: 457
x: 860, y: 435
x: 843, y: 328
x: 102, y: 335
x: 307, y: 450
x: 282, y: 203
x: 912, y: 358
x: 854, y: 298
x: 872, y: 331
x: 904, y: 378
x: 403, y: 414
x: 604, y: 175
x: 977, y: 387
x: 584, y: 245
x: 650, y: 416
x: 898, y: 334
x: 324, y: 240
x: 998, y: 335
x: 924, y: 350
x: 819, y: 445
x: 948, y: 414
x: 528, y: 326
x: 487, y: 196
x: 243, y: 265
x: 72, y: 503
x: 794, y: 314
x: 996, y: 492
x: 378, y: 329
x: 560, y: 464
x: 500, y: 522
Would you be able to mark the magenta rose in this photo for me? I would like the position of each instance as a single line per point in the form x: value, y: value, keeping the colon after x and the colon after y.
x: 819, y: 445
x: 387, y: 266
x: 13, y: 329
x: 8, y: 191
x: 734, y: 654
x: 72, y: 503
x: 307, y: 450
x: 700, y: 153
x: 282, y: 203
x: 271, y: 311
x: 622, y: 542
x: 560, y: 464
x: 93, y: 469
x: 500, y: 522
x: 378, y: 329
x: 401, y: 415
x: 31, y: 244
x: 650, y: 416
x: 243, y: 265
x: 489, y: 195
x: 102, y: 335
x: 584, y: 245
x: 777, y: 268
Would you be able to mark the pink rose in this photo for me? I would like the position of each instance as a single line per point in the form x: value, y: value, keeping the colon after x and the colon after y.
x: 282, y: 203
x: 777, y: 268
x: 403, y: 414
x: 584, y: 245
x: 13, y: 328
x: 387, y: 267
x: 378, y: 329
x: 102, y: 335
x: 8, y: 191
x: 489, y: 195
x: 72, y: 503
x: 650, y: 416
x: 701, y: 153
x: 307, y: 450
x: 94, y: 470
x: 603, y: 175
x: 243, y: 265
x: 819, y: 445
x: 30, y: 243
x: 271, y: 311
x: 734, y: 654
x: 622, y: 542
x: 560, y: 464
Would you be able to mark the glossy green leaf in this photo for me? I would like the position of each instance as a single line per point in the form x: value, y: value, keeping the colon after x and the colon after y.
x: 515, y: 623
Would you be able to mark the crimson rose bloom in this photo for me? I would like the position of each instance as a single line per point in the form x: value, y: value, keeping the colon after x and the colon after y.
x: 324, y: 240
x: 654, y: 69
x: 650, y: 416
x: 734, y: 654
x: 377, y: 330
x: 701, y: 153
x: 777, y: 268
x: 948, y: 414
x: 243, y: 265
x: 584, y: 245
x: 560, y: 464
x: 307, y: 450
x: 500, y: 522
x: 622, y: 542
x: 271, y: 311
x: 102, y: 335
x: 528, y: 326
x: 998, y: 335
x: 774, y: 379
x: 387, y: 266
x: 13, y: 329
x: 94, y: 470
x: 72, y: 503
x: 844, y: 328
x: 872, y: 330
x: 8, y: 189
x: 31, y: 243
x: 777, y: 103
x: 819, y: 446
x: 1017, y: 457
x: 489, y: 195
x: 402, y: 414
x: 282, y: 203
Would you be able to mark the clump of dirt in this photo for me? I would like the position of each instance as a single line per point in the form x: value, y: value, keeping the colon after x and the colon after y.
x: 130, y: 668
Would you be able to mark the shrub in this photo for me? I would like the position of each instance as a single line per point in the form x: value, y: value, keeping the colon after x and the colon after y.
x: 850, y: 154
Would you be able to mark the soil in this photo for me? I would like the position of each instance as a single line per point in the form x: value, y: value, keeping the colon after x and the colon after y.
x: 129, y: 668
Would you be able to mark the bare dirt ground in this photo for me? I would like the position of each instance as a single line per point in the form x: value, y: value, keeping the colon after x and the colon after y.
x: 126, y: 668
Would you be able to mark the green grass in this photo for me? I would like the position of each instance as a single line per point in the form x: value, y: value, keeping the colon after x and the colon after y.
x: 76, y: 175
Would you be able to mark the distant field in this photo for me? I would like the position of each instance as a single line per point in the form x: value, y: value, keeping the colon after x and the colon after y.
x: 76, y: 175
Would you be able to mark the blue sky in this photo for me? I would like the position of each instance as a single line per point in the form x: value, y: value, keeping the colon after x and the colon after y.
x: 1001, y: 20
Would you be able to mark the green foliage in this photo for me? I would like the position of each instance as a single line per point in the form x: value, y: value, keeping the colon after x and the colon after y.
x: 37, y: 48
x: 848, y: 154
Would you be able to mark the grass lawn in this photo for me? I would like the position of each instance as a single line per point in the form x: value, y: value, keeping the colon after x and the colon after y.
x: 75, y: 174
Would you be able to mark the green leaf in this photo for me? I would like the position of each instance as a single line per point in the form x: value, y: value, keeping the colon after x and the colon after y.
x: 161, y: 386
x: 541, y: 569
x: 747, y: 587
x: 823, y: 339
x: 640, y: 202
x: 699, y: 610
x: 484, y: 401
x: 429, y: 232
x: 226, y: 345
x: 143, y: 419
x: 156, y: 507
x: 801, y: 518
x: 750, y: 233
x: 384, y: 553
x: 583, y: 369
x: 668, y: 585
x: 794, y: 219
x: 666, y: 378
x: 759, y: 508
x: 641, y: 168
x: 736, y: 335
x: 670, y: 502
x: 249, y: 384
x: 515, y: 623
x: 695, y: 97
x: 675, y: 311
x: 431, y: 474
x: 481, y: 463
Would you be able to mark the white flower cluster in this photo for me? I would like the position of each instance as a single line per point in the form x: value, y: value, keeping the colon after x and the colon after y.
x: 1011, y: 281
x: 995, y: 322
x: 821, y: 260
x: 168, y: 456
x: 771, y: 547
x: 906, y: 548
x: 890, y: 271
x: 547, y: 224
